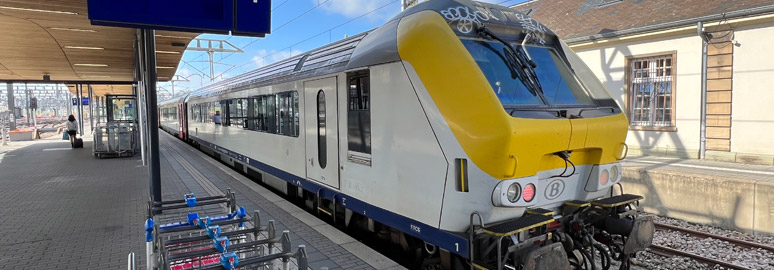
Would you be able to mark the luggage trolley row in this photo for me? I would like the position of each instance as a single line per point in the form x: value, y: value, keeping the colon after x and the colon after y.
x: 228, y: 240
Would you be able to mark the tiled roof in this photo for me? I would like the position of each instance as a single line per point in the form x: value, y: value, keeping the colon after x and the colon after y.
x: 582, y: 18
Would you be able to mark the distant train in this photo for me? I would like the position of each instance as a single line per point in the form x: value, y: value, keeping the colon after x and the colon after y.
x: 465, y: 132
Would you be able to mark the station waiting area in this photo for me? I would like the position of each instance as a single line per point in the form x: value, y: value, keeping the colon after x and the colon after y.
x: 62, y: 208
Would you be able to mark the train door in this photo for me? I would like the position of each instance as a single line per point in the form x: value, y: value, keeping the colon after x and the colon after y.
x: 181, y: 120
x: 321, y: 125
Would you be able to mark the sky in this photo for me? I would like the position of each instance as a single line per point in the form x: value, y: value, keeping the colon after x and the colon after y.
x: 297, y: 26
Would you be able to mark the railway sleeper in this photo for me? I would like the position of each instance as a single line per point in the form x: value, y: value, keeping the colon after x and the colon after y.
x: 585, y: 234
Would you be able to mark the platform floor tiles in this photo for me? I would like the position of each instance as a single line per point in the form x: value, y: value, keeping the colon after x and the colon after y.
x: 62, y: 208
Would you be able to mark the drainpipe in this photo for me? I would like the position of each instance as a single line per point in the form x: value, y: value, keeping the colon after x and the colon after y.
x: 703, y: 122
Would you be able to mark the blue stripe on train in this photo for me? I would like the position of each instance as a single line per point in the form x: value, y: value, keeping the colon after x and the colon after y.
x: 453, y: 242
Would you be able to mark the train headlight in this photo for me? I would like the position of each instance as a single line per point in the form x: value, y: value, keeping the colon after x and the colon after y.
x: 603, y: 177
x: 614, y: 173
x: 514, y: 192
x: 529, y: 192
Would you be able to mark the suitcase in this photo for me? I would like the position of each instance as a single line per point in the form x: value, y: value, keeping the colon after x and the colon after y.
x: 78, y: 143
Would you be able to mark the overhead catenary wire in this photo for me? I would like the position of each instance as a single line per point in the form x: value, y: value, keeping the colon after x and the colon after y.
x: 311, y: 37
x: 282, y: 25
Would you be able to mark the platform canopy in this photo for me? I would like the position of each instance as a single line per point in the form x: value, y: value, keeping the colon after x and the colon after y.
x: 55, y: 37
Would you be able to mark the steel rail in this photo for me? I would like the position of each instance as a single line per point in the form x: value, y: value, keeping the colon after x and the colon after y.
x: 737, y: 242
x: 665, y: 251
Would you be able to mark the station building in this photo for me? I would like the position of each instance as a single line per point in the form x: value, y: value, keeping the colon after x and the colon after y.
x: 648, y: 53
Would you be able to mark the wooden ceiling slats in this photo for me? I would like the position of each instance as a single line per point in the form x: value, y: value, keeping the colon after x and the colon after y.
x: 30, y: 48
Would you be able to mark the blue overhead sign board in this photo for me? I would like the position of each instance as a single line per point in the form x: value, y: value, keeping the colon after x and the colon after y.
x: 240, y: 17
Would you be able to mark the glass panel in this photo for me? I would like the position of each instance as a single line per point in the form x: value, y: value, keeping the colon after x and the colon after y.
x: 322, y: 155
x: 124, y: 109
x: 558, y: 82
x: 490, y: 58
x: 359, y: 112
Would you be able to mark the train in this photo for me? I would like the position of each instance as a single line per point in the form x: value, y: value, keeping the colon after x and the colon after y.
x: 467, y: 133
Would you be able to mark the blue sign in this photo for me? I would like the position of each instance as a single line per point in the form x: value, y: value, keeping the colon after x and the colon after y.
x: 242, y: 17
x: 84, y: 101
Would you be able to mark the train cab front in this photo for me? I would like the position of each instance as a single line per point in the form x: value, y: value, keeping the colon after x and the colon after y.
x: 541, y: 139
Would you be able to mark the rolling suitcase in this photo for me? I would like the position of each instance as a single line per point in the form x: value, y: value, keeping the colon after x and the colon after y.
x: 78, y: 143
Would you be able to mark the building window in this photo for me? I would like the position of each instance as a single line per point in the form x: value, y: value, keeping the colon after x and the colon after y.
x: 652, y: 91
x: 359, y: 112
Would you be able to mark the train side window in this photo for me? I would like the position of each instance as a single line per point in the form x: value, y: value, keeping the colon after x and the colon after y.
x: 216, y: 112
x: 359, y: 112
x: 288, y: 113
x: 237, y: 112
x: 322, y: 151
x: 270, y: 115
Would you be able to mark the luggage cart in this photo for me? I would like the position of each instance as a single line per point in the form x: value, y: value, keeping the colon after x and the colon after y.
x: 117, y: 137
x: 227, y: 239
x: 114, y: 139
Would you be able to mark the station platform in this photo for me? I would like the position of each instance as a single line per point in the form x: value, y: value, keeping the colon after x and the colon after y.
x: 727, y: 195
x: 61, y: 208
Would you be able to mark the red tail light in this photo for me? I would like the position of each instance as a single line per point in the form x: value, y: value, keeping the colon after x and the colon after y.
x: 528, y: 193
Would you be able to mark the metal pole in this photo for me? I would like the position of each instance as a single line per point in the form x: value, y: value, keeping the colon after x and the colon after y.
x: 27, y: 103
x: 138, y: 89
x: 11, y: 107
x: 91, y: 107
x: 212, y: 65
x: 80, y: 108
x: 703, y: 121
x: 153, y: 128
x: 2, y: 130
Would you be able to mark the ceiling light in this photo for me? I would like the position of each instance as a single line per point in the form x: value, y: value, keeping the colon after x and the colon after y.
x: 162, y: 67
x: 83, y: 48
x: 165, y: 36
x: 72, y: 29
x: 168, y: 52
x: 90, y: 65
x: 39, y: 10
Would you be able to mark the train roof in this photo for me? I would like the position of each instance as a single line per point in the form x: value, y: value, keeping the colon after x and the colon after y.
x: 328, y: 59
x: 174, y: 100
x: 373, y: 47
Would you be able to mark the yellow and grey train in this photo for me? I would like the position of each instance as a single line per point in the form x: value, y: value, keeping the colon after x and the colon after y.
x: 464, y: 131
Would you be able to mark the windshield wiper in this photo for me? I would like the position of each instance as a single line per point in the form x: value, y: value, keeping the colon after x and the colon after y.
x: 523, y: 65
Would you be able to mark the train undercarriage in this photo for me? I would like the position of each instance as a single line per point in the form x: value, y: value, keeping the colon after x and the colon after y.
x: 583, y: 235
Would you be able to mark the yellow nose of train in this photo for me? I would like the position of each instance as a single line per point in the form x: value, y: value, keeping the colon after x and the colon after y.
x: 503, y: 146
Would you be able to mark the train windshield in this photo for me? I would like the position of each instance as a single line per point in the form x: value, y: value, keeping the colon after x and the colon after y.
x: 558, y: 85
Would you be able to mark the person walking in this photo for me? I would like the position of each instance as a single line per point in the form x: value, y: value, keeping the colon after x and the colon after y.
x: 72, y: 128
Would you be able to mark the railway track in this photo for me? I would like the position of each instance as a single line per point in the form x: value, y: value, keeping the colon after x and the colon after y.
x: 666, y: 251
